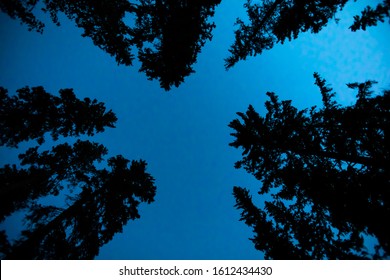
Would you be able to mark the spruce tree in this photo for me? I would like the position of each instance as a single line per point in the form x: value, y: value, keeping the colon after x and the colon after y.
x: 327, y: 171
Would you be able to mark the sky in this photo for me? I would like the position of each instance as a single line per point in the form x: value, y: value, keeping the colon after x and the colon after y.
x: 183, y: 134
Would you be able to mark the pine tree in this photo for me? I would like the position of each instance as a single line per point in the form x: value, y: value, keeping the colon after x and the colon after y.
x: 106, y: 203
x: 326, y: 170
x: 102, y: 21
x: 370, y: 16
x: 103, y: 200
x: 46, y: 173
x: 33, y: 112
x: 168, y: 34
x: 275, y: 21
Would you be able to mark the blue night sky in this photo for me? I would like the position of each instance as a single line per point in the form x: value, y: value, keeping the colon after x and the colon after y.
x: 183, y: 134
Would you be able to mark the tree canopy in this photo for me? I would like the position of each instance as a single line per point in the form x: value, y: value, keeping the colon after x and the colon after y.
x: 106, y: 203
x: 46, y: 172
x: 33, y: 112
x: 370, y: 16
x: 100, y: 201
x: 102, y: 21
x: 327, y: 172
x: 168, y: 34
x: 274, y: 21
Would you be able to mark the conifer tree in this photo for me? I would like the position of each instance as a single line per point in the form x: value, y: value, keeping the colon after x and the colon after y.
x: 106, y: 203
x: 275, y: 21
x: 327, y: 171
x: 33, y: 112
x: 168, y: 34
x: 46, y: 172
x: 103, y: 200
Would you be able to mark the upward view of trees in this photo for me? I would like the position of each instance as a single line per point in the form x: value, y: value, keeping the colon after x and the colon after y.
x: 102, y: 21
x: 370, y: 16
x: 108, y: 200
x: 274, y: 21
x: 46, y: 172
x: 105, y: 199
x: 168, y: 34
x: 33, y: 112
x: 327, y: 171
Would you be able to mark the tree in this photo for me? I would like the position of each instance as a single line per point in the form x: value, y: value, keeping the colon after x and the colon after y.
x: 274, y: 21
x: 169, y: 34
x: 4, y: 243
x: 29, y: 115
x: 106, y: 203
x: 104, y: 200
x: 33, y: 112
x: 370, y: 16
x: 102, y: 21
x: 46, y: 173
x: 327, y: 172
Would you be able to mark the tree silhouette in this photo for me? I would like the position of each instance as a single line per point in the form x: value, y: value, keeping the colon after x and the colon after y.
x: 104, y: 199
x: 22, y: 10
x: 102, y: 21
x: 370, y: 16
x: 107, y: 201
x: 327, y: 171
x: 274, y: 21
x: 169, y: 34
x: 5, y: 246
x: 33, y: 112
x: 46, y: 173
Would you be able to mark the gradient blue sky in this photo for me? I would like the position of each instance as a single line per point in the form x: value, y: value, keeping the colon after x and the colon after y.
x: 183, y: 133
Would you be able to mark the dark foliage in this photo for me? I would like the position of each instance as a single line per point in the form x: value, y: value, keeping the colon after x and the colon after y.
x: 46, y: 173
x: 327, y: 171
x: 102, y: 21
x: 169, y: 34
x: 5, y: 246
x: 103, y: 200
x: 33, y: 112
x: 23, y: 11
x: 370, y: 16
x: 274, y: 21
x: 106, y: 203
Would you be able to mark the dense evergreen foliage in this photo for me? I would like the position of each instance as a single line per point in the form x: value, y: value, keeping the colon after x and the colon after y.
x: 168, y: 34
x: 33, y: 112
x: 370, y: 16
x: 327, y: 171
x: 100, y: 201
x: 108, y: 200
x: 46, y: 173
x: 274, y: 21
